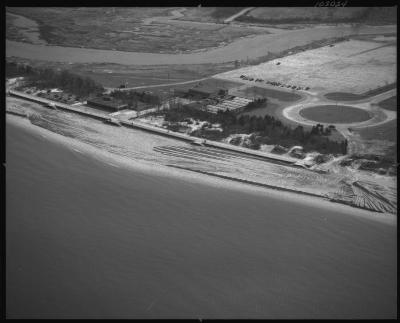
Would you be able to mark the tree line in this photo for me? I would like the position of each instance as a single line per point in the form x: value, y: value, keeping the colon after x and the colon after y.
x: 43, y: 78
x: 268, y: 129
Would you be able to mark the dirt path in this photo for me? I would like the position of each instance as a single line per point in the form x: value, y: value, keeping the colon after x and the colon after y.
x: 236, y: 15
x: 159, y: 85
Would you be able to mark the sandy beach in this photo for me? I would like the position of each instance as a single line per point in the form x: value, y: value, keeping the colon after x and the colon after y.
x: 150, y: 164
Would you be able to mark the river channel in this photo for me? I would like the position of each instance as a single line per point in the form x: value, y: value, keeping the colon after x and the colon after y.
x: 242, y: 48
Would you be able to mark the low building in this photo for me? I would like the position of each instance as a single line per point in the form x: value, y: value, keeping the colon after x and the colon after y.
x: 235, y: 104
x: 107, y: 103
x: 205, y: 91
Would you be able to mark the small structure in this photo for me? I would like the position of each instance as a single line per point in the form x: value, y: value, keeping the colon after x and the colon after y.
x: 113, y: 121
x: 296, y: 152
x: 205, y: 91
x: 51, y: 105
x: 107, y: 103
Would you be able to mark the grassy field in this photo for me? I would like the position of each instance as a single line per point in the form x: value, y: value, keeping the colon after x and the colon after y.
x: 389, y: 104
x: 343, y: 96
x: 125, y: 29
x: 350, y: 66
x: 276, y: 15
x: 335, y: 114
x: 259, y: 92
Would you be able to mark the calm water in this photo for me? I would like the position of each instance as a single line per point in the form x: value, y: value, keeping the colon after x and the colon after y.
x: 85, y: 239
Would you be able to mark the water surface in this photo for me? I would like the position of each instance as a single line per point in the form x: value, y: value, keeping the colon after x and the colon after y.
x: 86, y: 239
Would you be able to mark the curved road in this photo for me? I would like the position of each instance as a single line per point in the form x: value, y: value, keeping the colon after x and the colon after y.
x: 381, y: 116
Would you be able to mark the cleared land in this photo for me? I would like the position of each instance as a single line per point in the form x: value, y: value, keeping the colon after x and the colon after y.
x: 335, y: 114
x: 386, y: 131
x: 285, y: 15
x: 389, y: 104
x: 351, y: 66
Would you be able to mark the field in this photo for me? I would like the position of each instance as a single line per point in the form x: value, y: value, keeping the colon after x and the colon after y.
x: 351, y: 66
x: 278, y: 15
x: 335, y: 114
x: 153, y: 30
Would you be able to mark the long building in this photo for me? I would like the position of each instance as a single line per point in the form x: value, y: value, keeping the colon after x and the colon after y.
x: 107, y: 103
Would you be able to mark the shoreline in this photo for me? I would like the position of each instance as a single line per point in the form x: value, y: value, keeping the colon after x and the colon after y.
x: 153, y: 168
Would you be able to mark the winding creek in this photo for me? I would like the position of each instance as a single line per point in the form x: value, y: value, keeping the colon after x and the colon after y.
x: 242, y: 48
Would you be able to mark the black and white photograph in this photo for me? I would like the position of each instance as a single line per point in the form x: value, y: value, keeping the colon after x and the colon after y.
x: 200, y: 162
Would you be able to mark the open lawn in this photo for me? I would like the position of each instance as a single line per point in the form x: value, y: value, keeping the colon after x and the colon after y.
x: 335, y: 114
x: 351, y: 66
